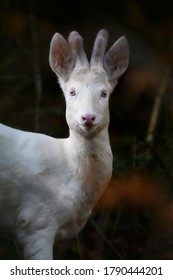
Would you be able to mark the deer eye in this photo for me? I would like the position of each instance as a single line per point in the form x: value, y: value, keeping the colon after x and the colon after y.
x: 103, y: 94
x: 72, y: 92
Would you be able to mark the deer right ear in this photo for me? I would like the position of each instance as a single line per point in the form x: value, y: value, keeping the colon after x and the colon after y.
x: 116, y: 59
x: 61, y: 58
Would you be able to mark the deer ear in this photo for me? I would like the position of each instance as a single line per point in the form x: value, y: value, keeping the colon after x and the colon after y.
x: 61, y: 58
x: 116, y: 59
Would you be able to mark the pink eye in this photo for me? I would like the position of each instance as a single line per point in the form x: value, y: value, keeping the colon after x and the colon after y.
x: 103, y: 94
x: 72, y: 92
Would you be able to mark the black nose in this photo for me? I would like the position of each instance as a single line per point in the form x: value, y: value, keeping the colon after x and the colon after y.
x: 88, y: 119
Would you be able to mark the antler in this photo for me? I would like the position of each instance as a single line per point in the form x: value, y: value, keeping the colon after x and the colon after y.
x: 99, y: 48
x: 76, y: 43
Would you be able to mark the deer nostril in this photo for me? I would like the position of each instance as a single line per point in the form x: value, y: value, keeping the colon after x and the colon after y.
x: 88, y: 119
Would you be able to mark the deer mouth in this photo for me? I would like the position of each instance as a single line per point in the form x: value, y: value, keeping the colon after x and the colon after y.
x: 88, y: 125
x: 88, y: 130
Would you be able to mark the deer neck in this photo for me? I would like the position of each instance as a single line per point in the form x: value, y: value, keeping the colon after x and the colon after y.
x: 91, y: 162
x: 82, y: 146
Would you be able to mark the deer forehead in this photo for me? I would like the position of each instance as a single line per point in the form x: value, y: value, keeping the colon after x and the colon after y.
x: 91, y: 79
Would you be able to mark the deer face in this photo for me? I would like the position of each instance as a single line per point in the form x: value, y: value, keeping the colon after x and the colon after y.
x: 87, y: 98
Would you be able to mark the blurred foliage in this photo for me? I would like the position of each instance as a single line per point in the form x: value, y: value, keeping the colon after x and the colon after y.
x: 135, y: 216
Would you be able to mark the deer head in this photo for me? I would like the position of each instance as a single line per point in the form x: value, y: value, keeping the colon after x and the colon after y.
x: 88, y: 85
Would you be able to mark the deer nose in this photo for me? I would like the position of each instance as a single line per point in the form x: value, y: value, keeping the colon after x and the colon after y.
x: 88, y: 119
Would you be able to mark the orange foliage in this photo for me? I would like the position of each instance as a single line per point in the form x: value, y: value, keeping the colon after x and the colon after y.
x: 140, y: 191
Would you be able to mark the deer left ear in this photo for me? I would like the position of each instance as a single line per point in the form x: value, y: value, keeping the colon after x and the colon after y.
x: 116, y: 60
x: 61, y: 58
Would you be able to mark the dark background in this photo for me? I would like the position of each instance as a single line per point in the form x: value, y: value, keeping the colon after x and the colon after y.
x: 134, y: 219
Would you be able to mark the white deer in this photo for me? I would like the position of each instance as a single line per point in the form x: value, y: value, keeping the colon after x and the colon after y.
x: 49, y: 186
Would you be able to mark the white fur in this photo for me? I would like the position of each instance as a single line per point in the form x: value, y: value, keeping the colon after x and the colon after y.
x: 49, y: 186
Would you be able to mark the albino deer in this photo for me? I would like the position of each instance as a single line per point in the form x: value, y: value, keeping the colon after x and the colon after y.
x: 49, y: 186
